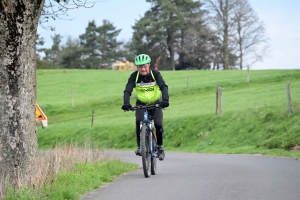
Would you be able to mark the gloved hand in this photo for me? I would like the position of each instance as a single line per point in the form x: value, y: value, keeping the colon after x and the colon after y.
x: 127, y: 106
x: 164, y: 104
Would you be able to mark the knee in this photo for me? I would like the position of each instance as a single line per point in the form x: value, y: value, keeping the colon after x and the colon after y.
x: 158, y: 123
x: 159, y: 129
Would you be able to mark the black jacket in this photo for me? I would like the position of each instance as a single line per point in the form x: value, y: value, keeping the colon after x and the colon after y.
x: 145, y: 79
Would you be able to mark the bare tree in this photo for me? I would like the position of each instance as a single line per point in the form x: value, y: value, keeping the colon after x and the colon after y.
x: 250, y: 35
x: 57, y: 9
x: 222, y: 19
x: 18, y: 138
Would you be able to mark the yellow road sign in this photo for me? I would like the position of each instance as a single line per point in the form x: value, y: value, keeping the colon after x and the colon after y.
x: 39, y: 114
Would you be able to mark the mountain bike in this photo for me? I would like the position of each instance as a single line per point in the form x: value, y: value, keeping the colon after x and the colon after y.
x: 148, y: 139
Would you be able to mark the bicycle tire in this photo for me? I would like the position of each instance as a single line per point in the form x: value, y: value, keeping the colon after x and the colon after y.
x: 145, y: 151
x: 153, y: 158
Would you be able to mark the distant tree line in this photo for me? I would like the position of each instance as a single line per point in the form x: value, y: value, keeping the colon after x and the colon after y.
x: 187, y: 34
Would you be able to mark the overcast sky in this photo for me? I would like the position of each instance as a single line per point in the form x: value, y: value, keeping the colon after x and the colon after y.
x: 281, y: 17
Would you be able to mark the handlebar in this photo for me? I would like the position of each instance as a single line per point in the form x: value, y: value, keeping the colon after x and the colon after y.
x: 147, y: 107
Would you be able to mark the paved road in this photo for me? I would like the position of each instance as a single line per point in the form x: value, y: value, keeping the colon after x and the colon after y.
x: 185, y: 176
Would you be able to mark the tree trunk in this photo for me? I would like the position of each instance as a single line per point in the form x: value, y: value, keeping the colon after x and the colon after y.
x: 172, y: 56
x: 170, y: 41
x: 225, y: 37
x: 18, y: 136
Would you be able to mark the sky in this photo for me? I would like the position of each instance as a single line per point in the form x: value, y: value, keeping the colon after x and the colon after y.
x: 281, y: 18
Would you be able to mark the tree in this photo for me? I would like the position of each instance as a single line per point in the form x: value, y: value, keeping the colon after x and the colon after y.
x: 52, y: 54
x: 109, y: 47
x: 249, y: 35
x: 161, y: 27
x: 239, y: 31
x: 41, y: 64
x: 71, y: 54
x: 126, y: 51
x: 194, y: 46
x: 222, y: 20
x: 40, y: 41
x: 18, y: 138
x: 100, y: 44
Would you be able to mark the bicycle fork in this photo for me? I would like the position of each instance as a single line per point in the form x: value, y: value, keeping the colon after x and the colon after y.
x: 149, y: 133
x: 152, y: 139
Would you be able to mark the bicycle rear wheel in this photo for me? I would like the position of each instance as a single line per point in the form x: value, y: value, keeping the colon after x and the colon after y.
x: 145, y: 151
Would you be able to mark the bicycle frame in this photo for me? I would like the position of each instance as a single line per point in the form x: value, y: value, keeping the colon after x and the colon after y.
x: 148, y: 140
x: 148, y: 122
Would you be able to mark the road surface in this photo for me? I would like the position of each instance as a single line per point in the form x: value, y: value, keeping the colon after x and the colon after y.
x: 185, y: 176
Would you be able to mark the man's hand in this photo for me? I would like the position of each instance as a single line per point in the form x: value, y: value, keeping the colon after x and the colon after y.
x: 164, y: 104
x: 126, y: 106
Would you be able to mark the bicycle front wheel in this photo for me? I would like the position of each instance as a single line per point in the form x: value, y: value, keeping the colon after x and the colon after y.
x: 145, y: 151
x: 153, y: 157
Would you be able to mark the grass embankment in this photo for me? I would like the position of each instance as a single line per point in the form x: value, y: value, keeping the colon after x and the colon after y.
x: 255, y: 115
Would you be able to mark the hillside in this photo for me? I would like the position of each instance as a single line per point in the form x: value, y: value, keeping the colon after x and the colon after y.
x: 255, y: 115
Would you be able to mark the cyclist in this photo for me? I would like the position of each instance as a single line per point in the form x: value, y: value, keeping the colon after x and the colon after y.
x: 150, y: 88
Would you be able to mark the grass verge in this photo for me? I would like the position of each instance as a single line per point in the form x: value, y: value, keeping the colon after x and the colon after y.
x: 67, y: 172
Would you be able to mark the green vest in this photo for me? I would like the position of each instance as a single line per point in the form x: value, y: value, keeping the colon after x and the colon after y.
x: 147, y: 92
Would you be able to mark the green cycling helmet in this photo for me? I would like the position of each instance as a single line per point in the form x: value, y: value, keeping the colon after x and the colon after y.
x: 142, y: 59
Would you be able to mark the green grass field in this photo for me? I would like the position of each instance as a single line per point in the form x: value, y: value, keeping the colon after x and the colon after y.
x: 255, y: 115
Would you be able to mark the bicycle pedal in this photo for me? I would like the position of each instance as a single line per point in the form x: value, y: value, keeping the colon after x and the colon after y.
x: 161, y: 156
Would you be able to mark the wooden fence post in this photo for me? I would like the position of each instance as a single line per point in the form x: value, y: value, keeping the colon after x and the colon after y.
x: 220, y: 100
x: 289, y: 97
x: 248, y: 74
x: 93, y: 113
x: 217, y: 99
x: 72, y: 97
x: 187, y: 82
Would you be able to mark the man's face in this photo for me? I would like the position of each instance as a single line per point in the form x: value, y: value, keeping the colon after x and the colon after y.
x: 143, y: 69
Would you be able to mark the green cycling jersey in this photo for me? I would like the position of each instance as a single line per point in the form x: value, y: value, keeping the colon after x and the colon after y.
x: 147, y: 92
